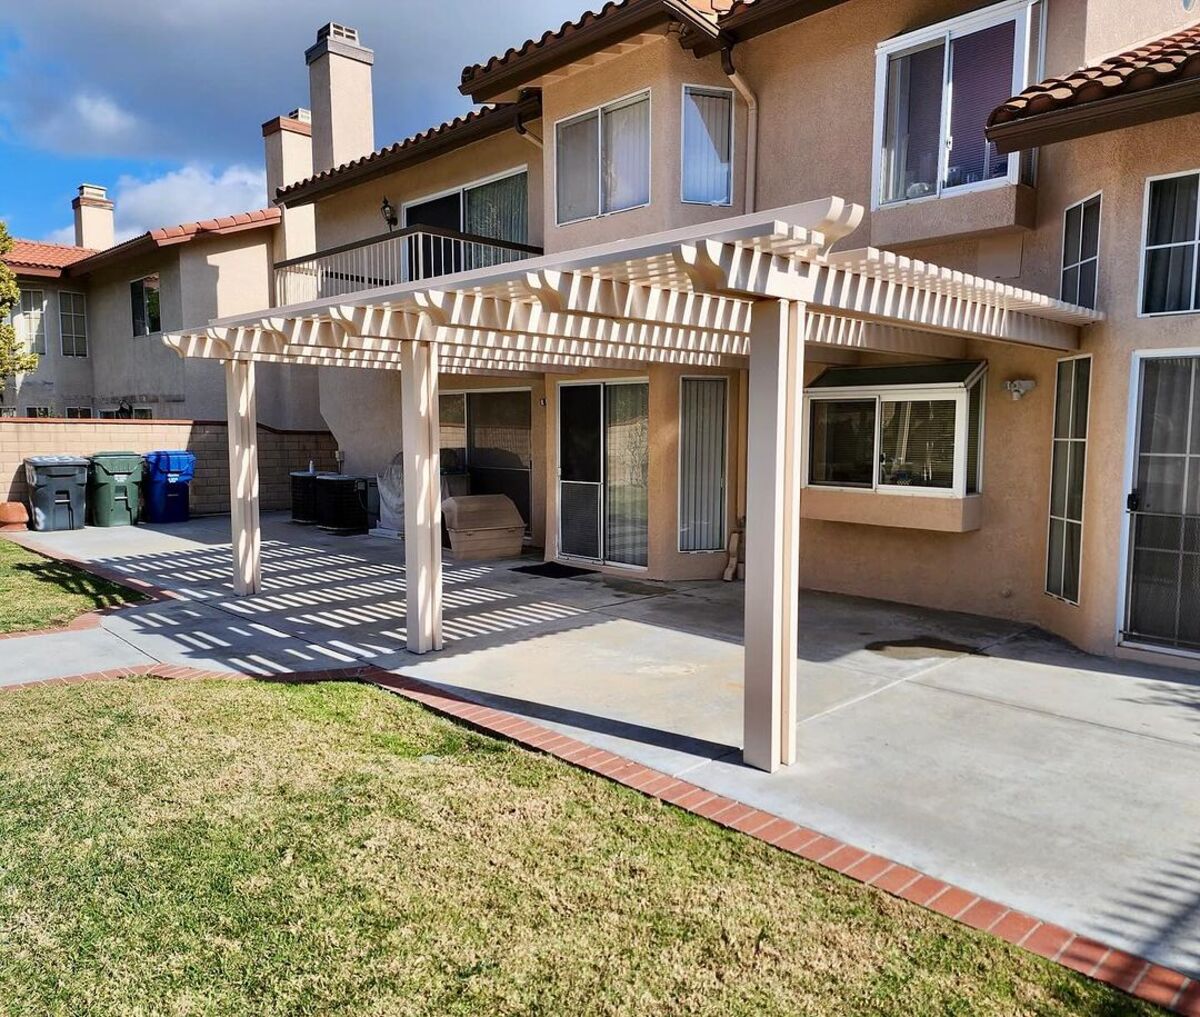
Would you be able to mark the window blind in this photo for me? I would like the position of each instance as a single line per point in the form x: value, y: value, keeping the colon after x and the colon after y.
x: 707, y: 146
x: 577, y: 152
x: 625, y: 154
x: 702, y: 464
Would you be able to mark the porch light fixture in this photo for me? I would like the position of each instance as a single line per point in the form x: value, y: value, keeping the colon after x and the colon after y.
x: 389, y: 214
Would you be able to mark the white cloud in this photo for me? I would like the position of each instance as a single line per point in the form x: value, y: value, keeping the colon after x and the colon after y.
x: 183, y: 195
x: 88, y: 122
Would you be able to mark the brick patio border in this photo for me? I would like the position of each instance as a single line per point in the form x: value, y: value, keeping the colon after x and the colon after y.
x: 1131, y: 974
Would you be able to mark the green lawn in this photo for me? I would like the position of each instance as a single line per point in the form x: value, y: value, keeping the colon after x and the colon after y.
x: 39, y: 593
x: 267, y: 849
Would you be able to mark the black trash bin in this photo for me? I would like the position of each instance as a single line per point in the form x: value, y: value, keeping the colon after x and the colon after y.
x: 57, y: 492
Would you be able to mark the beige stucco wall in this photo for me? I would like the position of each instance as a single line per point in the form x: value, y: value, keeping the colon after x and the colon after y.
x: 58, y: 382
x: 353, y: 214
x: 663, y: 68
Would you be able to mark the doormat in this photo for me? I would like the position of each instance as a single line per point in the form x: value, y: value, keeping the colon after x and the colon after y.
x: 553, y: 570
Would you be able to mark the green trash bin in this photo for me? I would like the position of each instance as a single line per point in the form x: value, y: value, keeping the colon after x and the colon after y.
x: 114, y: 488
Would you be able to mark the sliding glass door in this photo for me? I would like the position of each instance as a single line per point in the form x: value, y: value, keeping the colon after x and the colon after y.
x: 604, y: 441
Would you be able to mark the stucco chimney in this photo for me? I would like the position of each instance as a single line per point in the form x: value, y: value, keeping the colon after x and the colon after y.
x: 288, y: 152
x: 93, y: 218
x: 339, y: 85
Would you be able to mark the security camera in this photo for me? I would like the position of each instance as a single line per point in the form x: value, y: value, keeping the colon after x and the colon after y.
x: 1018, y: 388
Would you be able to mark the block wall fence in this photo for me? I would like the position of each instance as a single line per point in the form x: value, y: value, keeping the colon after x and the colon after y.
x: 279, y: 453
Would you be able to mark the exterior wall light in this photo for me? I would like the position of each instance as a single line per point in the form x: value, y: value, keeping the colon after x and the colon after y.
x: 1019, y: 387
x: 389, y: 214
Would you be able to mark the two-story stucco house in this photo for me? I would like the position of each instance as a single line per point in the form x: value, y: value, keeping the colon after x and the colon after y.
x: 888, y: 299
x: 95, y: 312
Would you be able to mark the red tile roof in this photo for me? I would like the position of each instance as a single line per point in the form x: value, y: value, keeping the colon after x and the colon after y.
x: 476, y: 123
x: 38, y: 255
x: 221, y: 225
x: 1153, y: 65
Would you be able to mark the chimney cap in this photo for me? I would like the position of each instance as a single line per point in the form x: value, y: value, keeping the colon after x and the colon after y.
x: 298, y: 121
x: 342, y: 40
x: 92, y: 195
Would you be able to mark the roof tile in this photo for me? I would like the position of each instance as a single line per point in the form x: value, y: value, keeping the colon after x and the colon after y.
x: 1152, y: 65
x: 37, y: 254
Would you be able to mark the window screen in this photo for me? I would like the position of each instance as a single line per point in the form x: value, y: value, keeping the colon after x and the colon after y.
x: 625, y: 154
x: 1067, y: 476
x: 981, y: 78
x: 842, y: 447
x: 577, y: 156
x: 912, y: 143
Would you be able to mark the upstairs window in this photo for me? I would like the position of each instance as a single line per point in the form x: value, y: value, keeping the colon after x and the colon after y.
x: 602, y: 160
x: 79, y: 413
x: 31, y: 321
x: 1169, y: 280
x: 72, y: 321
x: 40, y: 412
x: 707, y: 150
x: 144, y: 303
x: 1081, y: 252
x: 916, y: 428
x: 935, y: 90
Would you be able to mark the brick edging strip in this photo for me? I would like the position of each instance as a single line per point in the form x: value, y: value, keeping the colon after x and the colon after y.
x: 1131, y: 974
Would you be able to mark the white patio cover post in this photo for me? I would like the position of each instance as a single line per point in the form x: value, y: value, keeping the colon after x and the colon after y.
x: 422, y: 495
x: 773, y: 532
x: 242, y: 416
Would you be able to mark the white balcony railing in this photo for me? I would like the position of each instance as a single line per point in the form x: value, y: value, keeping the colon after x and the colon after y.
x: 418, y: 252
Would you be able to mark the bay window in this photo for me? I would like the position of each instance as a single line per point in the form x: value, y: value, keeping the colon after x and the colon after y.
x: 916, y: 428
x: 602, y: 160
x: 936, y: 88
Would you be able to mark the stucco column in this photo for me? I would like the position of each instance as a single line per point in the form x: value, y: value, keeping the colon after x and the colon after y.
x: 773, y: 532
x: 242, y: 416
x: 422, y: 495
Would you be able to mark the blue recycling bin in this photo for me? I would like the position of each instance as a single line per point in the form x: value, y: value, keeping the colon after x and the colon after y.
x: 168, y: 475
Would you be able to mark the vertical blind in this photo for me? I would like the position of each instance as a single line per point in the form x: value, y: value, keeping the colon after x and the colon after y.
x: 1064, y: 546
x: 702, y: 443
x: 1172, y: 236
x: 707, y: 146
x: 625, y: 153
x: 499, y: 209
x: 626, y: 472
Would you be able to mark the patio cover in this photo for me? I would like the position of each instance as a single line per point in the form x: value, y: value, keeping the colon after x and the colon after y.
x: 750, y: 291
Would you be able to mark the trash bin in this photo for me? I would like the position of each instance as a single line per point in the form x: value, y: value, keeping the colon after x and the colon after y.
x: 57, y: 492
x: 114, y: 488
x: 168, y: 478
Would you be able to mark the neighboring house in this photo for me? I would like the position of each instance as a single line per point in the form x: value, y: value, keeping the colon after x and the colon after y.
x: 95, y: 314
x: 1013, y: 432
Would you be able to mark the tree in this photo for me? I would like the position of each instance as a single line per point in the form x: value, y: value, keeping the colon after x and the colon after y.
x: 14, y: 358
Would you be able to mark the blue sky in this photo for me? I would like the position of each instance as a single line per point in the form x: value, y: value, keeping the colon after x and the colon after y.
x: 162, y: 102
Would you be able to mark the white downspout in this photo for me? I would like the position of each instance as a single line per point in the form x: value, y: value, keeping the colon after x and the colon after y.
x: 751, y: 100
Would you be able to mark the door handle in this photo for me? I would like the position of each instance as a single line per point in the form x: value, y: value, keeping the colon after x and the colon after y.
x: 1133, y: 502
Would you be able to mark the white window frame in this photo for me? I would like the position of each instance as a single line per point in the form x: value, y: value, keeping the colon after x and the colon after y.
x: 20, y: 320
x: 31, y: 413
x: 145, y: 307
x: 687, y: 87
x: 1026, y: 69
x: 1141, y: 312
x: 62, y: 335
x: 679, y: 464
x: 461, y: 190
x: 957, y: 392
x: 143, y: 413
x: 7, y: 412
x: 1054, y: 439
x: 1063, y: 266
x: 79, y: 413
x: 599, y: 111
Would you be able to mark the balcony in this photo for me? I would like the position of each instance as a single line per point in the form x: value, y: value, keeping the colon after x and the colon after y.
x: 416, y: 252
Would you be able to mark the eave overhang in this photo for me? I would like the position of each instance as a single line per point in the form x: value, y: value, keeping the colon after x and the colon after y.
x: 1099, y: 117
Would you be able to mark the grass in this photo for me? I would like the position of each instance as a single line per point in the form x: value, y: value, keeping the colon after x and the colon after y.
x: 39, y: 593
x: 270, y: 849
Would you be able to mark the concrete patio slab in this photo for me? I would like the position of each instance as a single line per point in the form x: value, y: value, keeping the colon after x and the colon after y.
x: 976, y: 750
x: 35, y: 657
